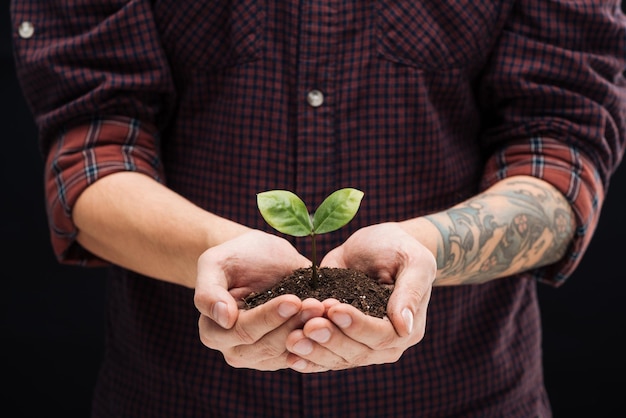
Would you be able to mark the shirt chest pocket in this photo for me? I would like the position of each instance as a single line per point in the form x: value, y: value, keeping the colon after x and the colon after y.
x: 212, y: 34
x: 435, y: 34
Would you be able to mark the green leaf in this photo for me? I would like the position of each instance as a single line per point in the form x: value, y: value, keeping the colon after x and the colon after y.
x: 285, y: 212
x: 336, y: 210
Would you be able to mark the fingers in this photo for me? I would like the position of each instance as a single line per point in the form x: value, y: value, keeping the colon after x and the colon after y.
x: 375, y: 333
x: 257, y: 339
x: 251, y: 325
x: 346, y: 339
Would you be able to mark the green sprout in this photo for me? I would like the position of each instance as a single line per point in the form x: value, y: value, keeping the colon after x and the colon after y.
x: 287, y: 213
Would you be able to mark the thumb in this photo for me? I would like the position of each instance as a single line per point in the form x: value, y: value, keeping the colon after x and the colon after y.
x: 408, y: 303
x: 334, y: 258
x: 213, y: 300
x: 219, y: 306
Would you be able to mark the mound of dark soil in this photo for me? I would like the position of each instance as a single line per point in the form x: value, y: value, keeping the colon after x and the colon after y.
x: 346, y: 285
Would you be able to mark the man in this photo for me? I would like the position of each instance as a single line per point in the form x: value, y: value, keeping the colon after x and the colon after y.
x: 483, y: 135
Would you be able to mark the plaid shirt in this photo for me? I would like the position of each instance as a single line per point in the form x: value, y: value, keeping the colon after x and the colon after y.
x: 420, y: 104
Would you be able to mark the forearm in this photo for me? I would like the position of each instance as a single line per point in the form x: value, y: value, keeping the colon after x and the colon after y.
x: 518, y: 224
x: 133, y: 221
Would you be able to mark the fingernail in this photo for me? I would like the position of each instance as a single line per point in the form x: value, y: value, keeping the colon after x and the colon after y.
x: 320, y: 335
x: 407, y: 315
x: 306, y: 315
x: 287, y: 309
x: 220, y: 314
x: 299, y: 365
x: 303, y: 347
x: 342, y: 320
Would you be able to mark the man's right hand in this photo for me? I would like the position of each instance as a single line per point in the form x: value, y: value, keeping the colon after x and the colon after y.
x: 227, y: 273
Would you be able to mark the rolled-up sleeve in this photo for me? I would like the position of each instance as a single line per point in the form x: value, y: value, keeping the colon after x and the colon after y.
x: 83, y: 155
x: 99, y: 86
x: 570, y: 172
x: 555, y: 98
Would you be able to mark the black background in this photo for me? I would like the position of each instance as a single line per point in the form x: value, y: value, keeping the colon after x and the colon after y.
x: 52, y: 315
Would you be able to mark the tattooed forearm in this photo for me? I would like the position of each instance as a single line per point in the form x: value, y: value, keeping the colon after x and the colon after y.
x: 520, y: 224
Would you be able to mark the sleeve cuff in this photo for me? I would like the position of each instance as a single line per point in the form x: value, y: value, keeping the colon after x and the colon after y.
x: 573, y: 175
x: 83, y: 155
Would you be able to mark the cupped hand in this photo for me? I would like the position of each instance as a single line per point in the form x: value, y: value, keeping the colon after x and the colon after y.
x: 345, y: 337
x: 257, y: 339
x: 227, y: 273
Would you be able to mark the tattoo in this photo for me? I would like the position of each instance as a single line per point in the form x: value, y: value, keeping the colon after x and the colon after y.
x: 500, y: 233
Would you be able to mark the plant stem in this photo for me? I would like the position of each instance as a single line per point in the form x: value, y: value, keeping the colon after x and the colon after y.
x: 314, y: 282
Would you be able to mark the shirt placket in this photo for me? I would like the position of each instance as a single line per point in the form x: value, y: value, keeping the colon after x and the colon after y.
x: 316, y: 100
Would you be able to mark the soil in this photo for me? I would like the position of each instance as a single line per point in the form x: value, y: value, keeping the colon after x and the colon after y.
x: 346, y: 285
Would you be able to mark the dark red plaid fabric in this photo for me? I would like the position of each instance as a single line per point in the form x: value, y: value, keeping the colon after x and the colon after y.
x: 424, y: 104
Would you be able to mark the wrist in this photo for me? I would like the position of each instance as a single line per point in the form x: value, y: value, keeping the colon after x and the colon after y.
x: 219, y: 230
x: 425, y: 232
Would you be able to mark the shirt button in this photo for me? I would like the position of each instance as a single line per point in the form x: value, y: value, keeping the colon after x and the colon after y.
x: 315, y: 98
x: 26, y: 30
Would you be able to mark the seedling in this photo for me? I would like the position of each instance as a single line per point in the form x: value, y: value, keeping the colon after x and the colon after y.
x: 287, y: 213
